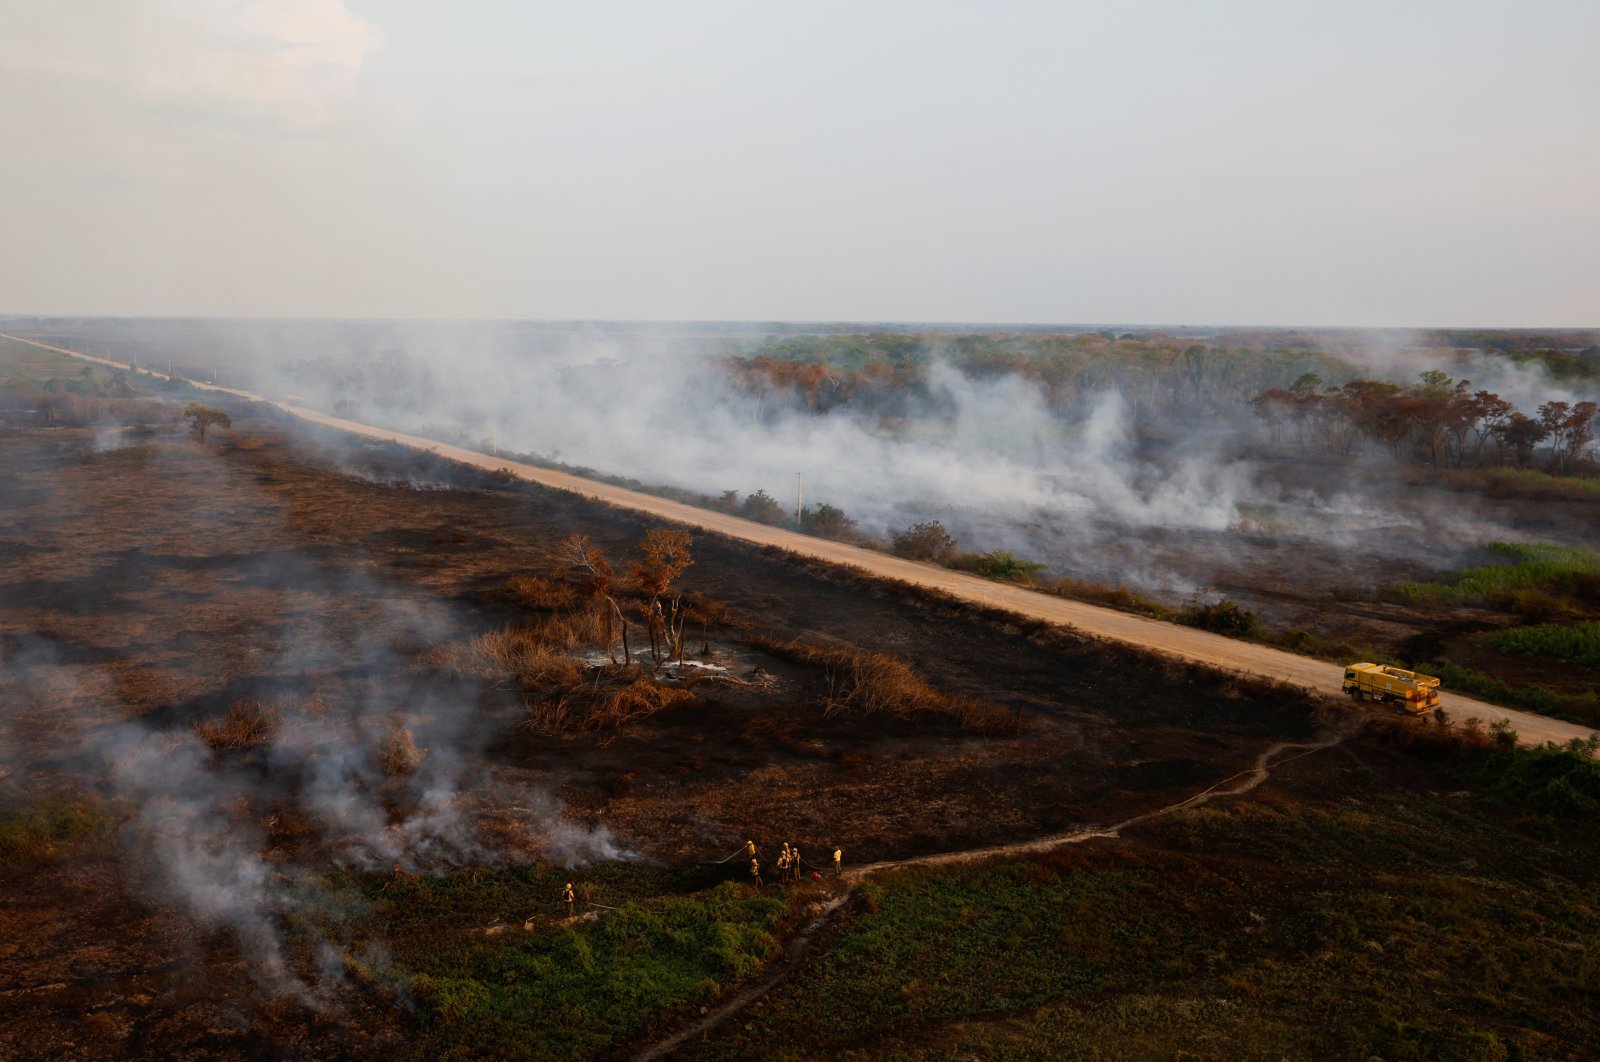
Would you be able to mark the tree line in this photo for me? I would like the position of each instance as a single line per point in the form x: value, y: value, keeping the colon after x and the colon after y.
x: 888, y: 374
x: 1437, y: 421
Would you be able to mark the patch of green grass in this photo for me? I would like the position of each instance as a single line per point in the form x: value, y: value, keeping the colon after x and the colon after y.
x: 560, y: 990
x: 1574, y: 707
x: 1392, y: 924
x: 1577, y: 644
x: 38, y: 832
x: 1561, y: 783
x: 1529, y: 575
x: 1532, y: 483
x: 575, y: 991
x: 1118, y: 597
x: 1001, y: 565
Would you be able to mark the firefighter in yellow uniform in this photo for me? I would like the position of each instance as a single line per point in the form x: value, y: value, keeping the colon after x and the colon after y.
x: 799, y: 864
x: 755, y: 872
x: 571, y: 900
x: 750, y: 849
x: 783, y: 865
x: 838, y: 861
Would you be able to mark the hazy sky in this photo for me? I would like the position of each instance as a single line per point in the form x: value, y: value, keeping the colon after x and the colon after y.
x: 1338, y: 162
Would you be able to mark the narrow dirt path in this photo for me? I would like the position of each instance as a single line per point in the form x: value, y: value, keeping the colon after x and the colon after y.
x: 1169, y: 639
x: 802, y: 941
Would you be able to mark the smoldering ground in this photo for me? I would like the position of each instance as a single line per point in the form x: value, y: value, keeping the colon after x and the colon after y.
x: 289, y: 747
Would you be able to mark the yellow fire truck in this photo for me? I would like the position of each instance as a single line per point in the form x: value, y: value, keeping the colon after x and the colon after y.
x: 1407, y: 690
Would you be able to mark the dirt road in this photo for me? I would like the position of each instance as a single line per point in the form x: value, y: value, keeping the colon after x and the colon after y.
x: 1184, y: 643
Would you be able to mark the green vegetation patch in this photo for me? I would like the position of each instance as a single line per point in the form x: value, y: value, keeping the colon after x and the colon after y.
x: 1558, y: 782
x: 1224, y: 617
x: 1393, y: 925
x: 1577, y: 644
x: 1582, y: 707
x: 1526, y: 571
x: 39, y: 831
x: 1532, y: 483
x: 1000, y: 565
x: 560, y: 989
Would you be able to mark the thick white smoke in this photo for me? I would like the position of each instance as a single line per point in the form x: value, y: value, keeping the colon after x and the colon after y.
x: 201, y: 829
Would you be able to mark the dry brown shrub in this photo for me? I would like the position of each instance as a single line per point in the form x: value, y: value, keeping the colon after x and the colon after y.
x: 1117, y: 597
x: 399, y: 755
x: 1442, y: 740
x: 708, y: 610
x: 246, y: 724
x: 250, y: 442
x: 877, y: 682
x: 552, y: 717
x: 597, y: 706
x: 585, y: 629
x: 861, y: 680
x: 521, y: 655
x: 864, y: 681
x: 984, y: 717
x: 531, y: 591
x: 552, y: 670
x: 641, y: 697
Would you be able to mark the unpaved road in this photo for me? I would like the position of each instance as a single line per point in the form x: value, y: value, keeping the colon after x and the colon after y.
x: 1183, y: 643
x: 796, y: 949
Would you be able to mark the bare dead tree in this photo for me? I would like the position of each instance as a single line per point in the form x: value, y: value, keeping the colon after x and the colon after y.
x: 664, y: 556
x: 585, y: 558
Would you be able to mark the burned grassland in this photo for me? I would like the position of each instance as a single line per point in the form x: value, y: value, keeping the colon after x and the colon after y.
x: 303, y: 739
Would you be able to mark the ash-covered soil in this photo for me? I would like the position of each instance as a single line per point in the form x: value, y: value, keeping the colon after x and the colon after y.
x: 150, y: 585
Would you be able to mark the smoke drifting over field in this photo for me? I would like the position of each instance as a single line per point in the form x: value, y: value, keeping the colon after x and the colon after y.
x: 1158, y: 444
x: 999, y: 461
x: 318, y: 744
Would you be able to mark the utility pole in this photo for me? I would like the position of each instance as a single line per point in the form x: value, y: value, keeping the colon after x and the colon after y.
x: 797, y: 508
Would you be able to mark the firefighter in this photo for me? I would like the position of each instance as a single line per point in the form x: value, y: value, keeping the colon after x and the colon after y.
x: 750, y: 849
x: 799, y: 864
x: 783, y: 865
x: 838, y: 861
x: 571, y: 900
x: 755, y: 872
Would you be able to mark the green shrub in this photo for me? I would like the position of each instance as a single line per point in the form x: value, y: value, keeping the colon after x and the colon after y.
x: 1578, y: 644
x: 1004, y: 566
x: 1223, y: 617
x: 1575, y: 707
x: 828, y: 521
x: 576, y: 990
x: 762, y: 508
x: 1561, y: 782
x: 927, y: 541
x: 1531, y: 576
